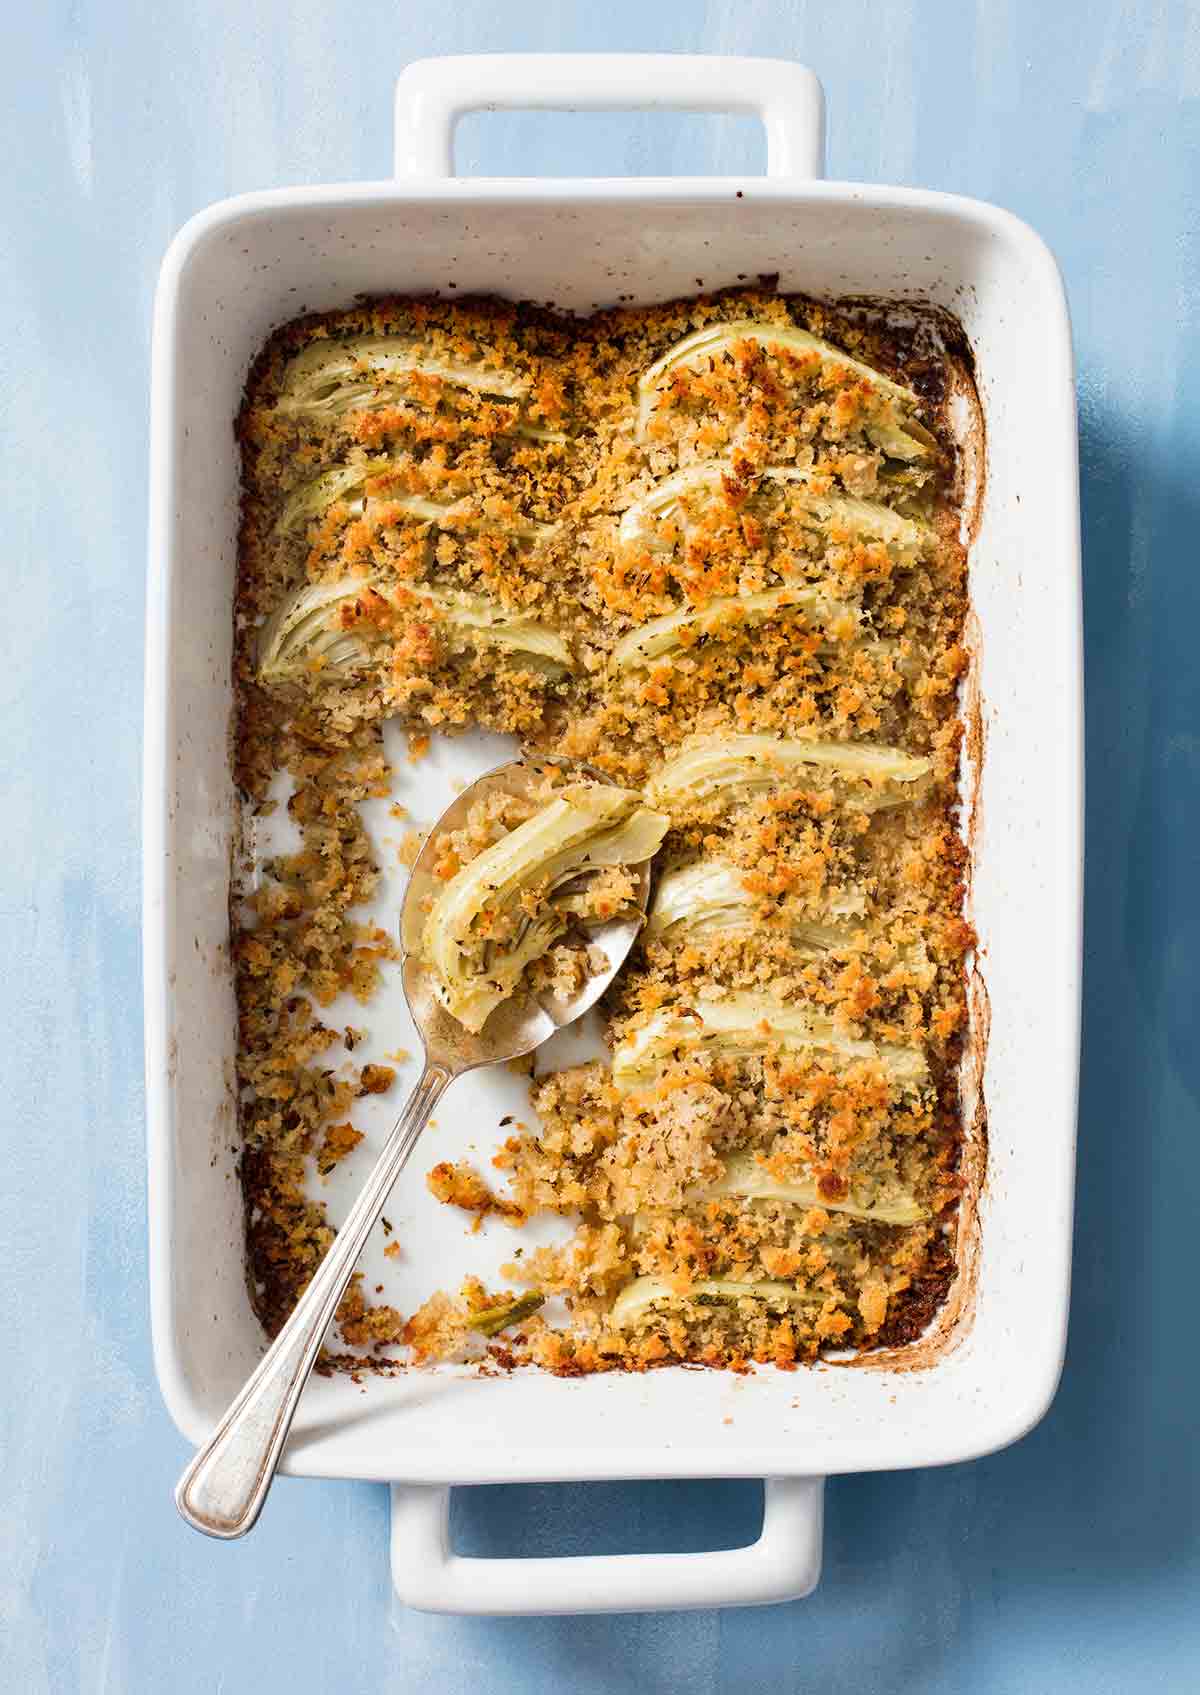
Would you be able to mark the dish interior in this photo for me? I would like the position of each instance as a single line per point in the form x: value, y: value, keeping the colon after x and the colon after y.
x: 710, y: 552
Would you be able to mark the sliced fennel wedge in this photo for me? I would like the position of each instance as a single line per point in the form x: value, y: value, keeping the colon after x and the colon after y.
x: 896, y: 432
x: 639, y: 1298
x: 745, y: 1025
x: 584, y: 830
x: 742, y: 765
x: 710, y: 895
x: 307, y: 630
x: 347, y: 484
x: 330, y: 376
x: 313, y: 499
x: 806, y: 492
x: 491, y: 625
x: 748, y: 1178
x: 730, y: 613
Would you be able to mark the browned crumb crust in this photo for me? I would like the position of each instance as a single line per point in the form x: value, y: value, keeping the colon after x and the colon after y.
x: 538, y: 479
x: 458, y: 1185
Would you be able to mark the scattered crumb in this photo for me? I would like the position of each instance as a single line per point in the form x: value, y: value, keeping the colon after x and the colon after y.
x: 459, y: 1185
x: 339, y: 1140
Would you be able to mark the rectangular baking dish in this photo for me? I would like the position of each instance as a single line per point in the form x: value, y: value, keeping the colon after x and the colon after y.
x: 231, y: 275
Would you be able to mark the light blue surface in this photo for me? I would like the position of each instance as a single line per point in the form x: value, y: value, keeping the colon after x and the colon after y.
x: 1069, y: 1564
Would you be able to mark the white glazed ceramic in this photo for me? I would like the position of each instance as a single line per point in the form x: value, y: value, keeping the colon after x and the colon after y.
x: 234, y: 273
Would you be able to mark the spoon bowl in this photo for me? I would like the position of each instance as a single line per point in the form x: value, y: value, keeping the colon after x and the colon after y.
x: 223, y: 1490
x: 524, y: 1021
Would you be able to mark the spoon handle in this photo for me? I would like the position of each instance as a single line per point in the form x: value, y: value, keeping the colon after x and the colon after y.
x: 223, y: 1489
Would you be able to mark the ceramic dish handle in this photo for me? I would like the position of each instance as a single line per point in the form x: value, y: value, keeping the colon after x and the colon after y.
x: 432, y: 94
x: 783, y: 1565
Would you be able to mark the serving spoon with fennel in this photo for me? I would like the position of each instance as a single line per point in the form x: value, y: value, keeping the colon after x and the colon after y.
x: 223, y: 1489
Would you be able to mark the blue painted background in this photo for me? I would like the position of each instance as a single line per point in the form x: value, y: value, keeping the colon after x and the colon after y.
x: 1069, y: 1564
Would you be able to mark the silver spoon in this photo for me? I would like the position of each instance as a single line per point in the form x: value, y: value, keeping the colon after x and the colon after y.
x: 223, y: 1489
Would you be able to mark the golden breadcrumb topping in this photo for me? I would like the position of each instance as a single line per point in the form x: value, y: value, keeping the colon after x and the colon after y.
x: 712, y: 548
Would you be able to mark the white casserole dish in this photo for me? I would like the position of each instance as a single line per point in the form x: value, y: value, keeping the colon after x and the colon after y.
x: 234, y: 273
